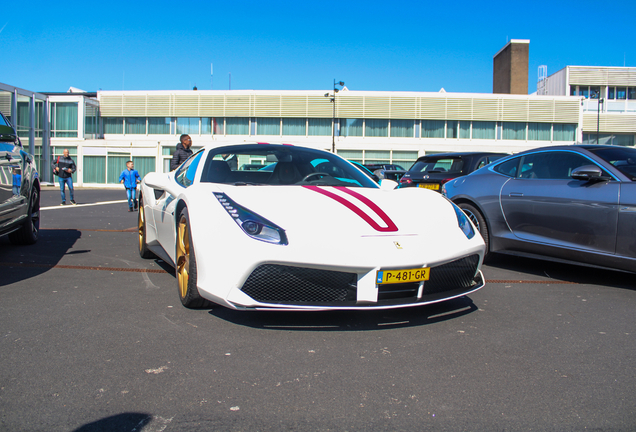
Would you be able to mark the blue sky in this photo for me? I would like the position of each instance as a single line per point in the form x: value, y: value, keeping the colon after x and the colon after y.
x: 294, y: 45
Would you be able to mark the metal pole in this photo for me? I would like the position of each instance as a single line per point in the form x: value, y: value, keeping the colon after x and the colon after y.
x: 598, y: 116
x: 333, y: 125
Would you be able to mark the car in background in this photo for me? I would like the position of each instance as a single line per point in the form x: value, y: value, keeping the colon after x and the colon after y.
x: 313, y: 234
x: 574, y: 203
x: 19, y: 188
x: 431, y: 172
x: 386, y: 171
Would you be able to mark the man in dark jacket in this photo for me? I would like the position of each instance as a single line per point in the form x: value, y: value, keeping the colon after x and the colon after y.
x: 64, y: 167
x: 182, y: 152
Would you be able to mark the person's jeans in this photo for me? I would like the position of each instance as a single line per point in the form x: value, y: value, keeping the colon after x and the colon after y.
x: 132, y: 197
x: 66, y: 181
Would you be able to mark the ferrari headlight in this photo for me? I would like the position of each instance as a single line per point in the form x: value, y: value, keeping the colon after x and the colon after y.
x: 464, y: 223
x: 252, y: 224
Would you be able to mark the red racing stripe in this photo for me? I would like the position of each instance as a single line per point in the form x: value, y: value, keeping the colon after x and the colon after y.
x: 391, y: 227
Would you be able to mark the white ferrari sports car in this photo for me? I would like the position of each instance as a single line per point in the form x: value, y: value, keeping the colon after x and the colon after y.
x: 307, y: 231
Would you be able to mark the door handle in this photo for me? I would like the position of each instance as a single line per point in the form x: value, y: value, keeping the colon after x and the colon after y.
x: 515, y: 194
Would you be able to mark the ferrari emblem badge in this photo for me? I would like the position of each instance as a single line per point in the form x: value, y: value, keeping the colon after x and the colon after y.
x: 397, y: 245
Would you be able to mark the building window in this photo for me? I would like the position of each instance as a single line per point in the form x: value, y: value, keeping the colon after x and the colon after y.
x: 376, y: 128
x: 188, y: 125
x: 402, y: 128
x: 113, y: 125
x: 267, y: 126
x: 354, y: 155
x: 377, y: 157
x: 351, y: 127
x: 483, y: 130
x: 94, y: 169
x: 64, y: 119
x: 91, y: 120
x: 144, y: 164
x: 514, y: 130
x: 219, y: 128
x: 631, y: 93
x: 319, y: 127
x: 135, y: 125
x: 294, y: 126
x: 159, y: 125
x: 404, y: 158
x: 610, y: 139
x: 451, y: 128
x: 563, y: 132
x: 464, y: 130
x: 237, y: 125
x: 433, y: 128
x: 539, y: 131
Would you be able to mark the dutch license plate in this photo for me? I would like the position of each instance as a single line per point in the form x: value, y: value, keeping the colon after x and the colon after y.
x: 433, y: 186
x: 403, y: 276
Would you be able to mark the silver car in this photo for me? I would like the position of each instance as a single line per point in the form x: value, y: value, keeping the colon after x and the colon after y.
x: 574, y: 204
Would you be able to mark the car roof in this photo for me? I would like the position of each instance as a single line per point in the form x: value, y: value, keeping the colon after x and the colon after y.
x: 460, y: 154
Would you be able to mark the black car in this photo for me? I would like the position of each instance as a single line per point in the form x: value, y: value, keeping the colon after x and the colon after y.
x: 386, y: 171
x: 431, y: 172
x: 19, y: 188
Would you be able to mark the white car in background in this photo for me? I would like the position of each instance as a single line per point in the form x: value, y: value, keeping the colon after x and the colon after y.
x: 314, y: 233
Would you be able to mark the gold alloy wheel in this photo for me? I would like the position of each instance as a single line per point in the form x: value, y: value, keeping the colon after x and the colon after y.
x: 183, y: 256
x: 141, y: 227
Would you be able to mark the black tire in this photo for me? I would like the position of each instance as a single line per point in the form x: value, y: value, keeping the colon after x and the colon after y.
x: 144, y: 252
x: 186, y: 265
x: 478, y: 220
x: 30, y: 230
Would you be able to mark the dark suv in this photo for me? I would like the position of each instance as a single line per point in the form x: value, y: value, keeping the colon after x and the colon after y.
x: 386, y: 171
x: 431, y: 172
x: 19, y: 188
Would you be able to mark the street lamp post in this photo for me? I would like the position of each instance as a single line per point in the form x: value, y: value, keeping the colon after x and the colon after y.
x: 597, y: 94
x: 332, y: 99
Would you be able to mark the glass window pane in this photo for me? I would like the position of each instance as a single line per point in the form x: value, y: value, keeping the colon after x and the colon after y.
x: 267, y: 126
x: 621, y: 92
x: 355, y: 155
x: 572, y: 90
x: 237, y: 125
x: 451, y: 129
x: 219, y: 128
x: 464, y: 130
x: 135, y: 125
x: 294, y: 126
x: 514, y: 130
x: 144, y: 164
x: 351, y: 127
x: 319, y: 127
x: 159, y: 125
x: 483, y: 130
x: 376, y: 128
x: 206, y: 126
x: 564, y: 132
x: 94, y: 169
x: 539, y: 131
x: 188, y: 125
x: 64, y: 122
x: 611, y: 92
x: 433, y: 128
x: 113, y: 125
x: 116, y: 164
x: 631, y: 94
x: 402, y: 128
x: 377, y: 157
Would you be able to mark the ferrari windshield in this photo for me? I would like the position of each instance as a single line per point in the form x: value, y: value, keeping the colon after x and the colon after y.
x: 272, y: 164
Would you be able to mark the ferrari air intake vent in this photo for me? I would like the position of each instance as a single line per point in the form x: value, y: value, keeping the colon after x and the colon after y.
x: 270, y: 283
x: 458, y: 274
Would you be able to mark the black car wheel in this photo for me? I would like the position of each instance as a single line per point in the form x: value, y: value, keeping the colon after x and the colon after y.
x: 478, y: 220
x: 30, y: 229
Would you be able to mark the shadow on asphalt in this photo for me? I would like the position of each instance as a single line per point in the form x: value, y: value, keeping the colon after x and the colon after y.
x: 562, y: 272
x: 121, y: 422
x: 18, y: 263
x: 349, y: 320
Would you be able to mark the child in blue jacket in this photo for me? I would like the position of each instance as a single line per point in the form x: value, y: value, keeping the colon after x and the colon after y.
x: 130, y: 178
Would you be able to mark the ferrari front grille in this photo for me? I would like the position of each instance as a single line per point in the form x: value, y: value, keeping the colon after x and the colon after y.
x: 271, y: 283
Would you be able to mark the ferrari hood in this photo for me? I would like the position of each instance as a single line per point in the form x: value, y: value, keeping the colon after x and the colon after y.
x: 346, y: 211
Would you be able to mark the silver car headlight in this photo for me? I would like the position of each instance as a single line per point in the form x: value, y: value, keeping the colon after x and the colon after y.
x: 251, y: 223
x: 464, y: 222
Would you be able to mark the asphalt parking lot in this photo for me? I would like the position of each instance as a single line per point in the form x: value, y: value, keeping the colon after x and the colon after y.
x: 94, y: 338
